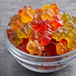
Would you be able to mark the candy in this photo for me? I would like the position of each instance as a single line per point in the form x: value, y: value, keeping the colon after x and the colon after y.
x: 60, y: 33
x: 57, y: 24
x: 38, y: 23
x: 49, y: 11
x: 74, y: 20
x: 66, y: 17
x: 47, y: 14
x: 35, y: 35
x: 43, y: 32
x: 27, y: 14
x: 54, y: 7
x: 71, y: 40
x: 61, y: 47
x: 8, y: 33
x: 69, y: 22
x: 69, y: 25
x: 22, y: 46
x: 16, y: 22
x: 46, y: 6
x: 38, y: 11
x: 66, y: 33
x: 20, y: 11
x: 15, y: 40
x: 47, y: 34
x: 50, y: 49
x: 24, y: 31
x: 35, y: 48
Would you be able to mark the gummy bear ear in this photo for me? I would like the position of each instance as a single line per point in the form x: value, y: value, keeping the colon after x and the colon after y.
x: 74, y: 21
x: 46, y: 6
x: 19, y: 12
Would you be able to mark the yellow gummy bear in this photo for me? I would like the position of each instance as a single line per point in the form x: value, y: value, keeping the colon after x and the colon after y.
x: 24, y: 31
x: 46, y: 6
x: 66, y: 17
x: 71, y: 39
x: 35, y: 48
x: 60, y: 33
x: 27, y: 15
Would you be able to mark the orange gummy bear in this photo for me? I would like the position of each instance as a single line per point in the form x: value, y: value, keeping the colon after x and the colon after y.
x: 38, y: 11
x: 15, y: 40
x: 49, y: 11
x: 61, y: 47
x: 16, y: 22
x: 47, y: 14
x: 35, y: 35
x: 35, y: 48
x: 54, y: 7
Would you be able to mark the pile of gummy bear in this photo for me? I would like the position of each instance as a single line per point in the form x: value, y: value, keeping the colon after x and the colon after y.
x: 43, y: 32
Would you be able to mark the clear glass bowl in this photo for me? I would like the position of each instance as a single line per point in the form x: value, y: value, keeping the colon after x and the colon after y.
x: 40, y: 63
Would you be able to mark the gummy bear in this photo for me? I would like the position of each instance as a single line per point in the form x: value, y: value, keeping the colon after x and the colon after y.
x: 27, y: 14
x: 24, y: 31
x: 20, y: 11
x: 47, y: 14
x: 25, y: 41
x: 47, y: 34
x: 74, y: 20
x: 66, y: 17
x: 61, y: 47
x: 71, y: 40
x: 38, y: 11
x: 35, y: 48
x: 54, y: 7
x: 16, y: 22
x: 69, y: 25
x: 35, y: 35
x: 15, y: 40
x: 50, y: 49
x: 46, y: 6
x: 22, y: 46
x: 9, y: 32
x: 57, y: 24
x: 69, y: 22
x: 57, y: 18
x: 49, y: 11
x: 38, y: 23
x: 60, y: 33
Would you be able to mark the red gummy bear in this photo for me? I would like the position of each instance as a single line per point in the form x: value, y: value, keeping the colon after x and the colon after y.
x: 8, y: 33
x: 22, y: 46
x: 20, y: 11
x: 47, y: 34
x: 50, y: 49
x: 38, y: 23
x: 57, y: 24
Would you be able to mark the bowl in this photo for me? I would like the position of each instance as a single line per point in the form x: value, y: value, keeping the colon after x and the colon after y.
x: 42, y: 64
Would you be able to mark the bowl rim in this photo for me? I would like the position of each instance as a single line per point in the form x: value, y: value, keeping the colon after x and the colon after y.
x: 34, y: 56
